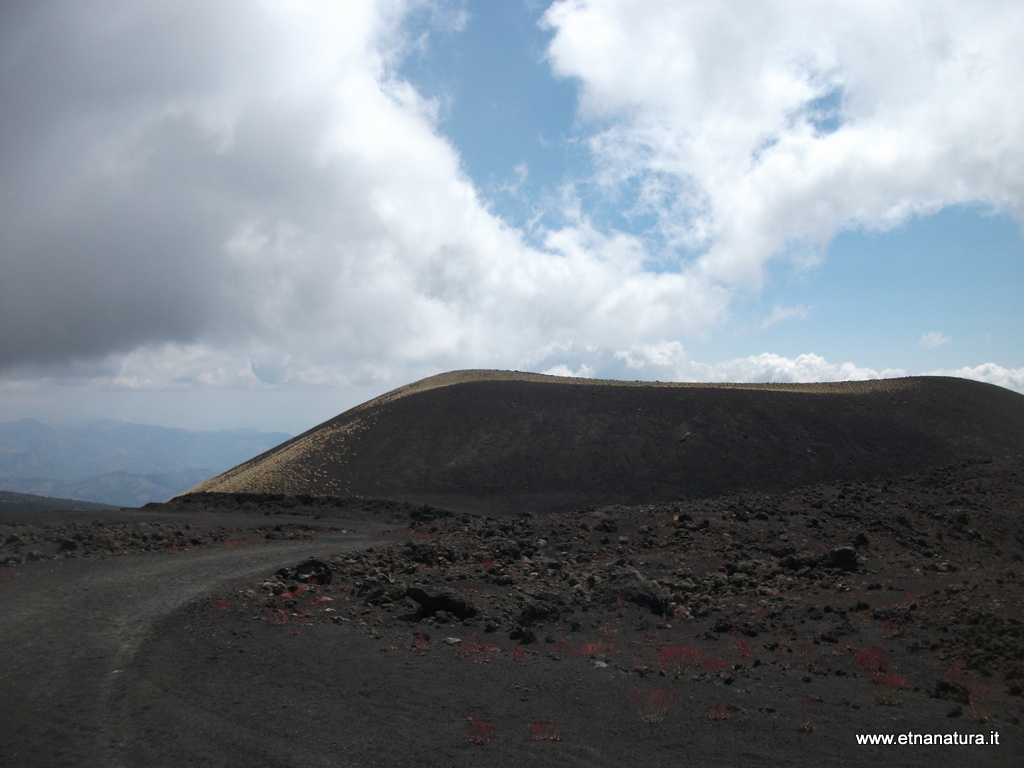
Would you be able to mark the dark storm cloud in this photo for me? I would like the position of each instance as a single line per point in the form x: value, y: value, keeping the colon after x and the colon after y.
x: 106, y: 233
x: 136, y: 141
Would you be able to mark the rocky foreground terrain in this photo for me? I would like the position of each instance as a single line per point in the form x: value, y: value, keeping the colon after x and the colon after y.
x: 744, y: 629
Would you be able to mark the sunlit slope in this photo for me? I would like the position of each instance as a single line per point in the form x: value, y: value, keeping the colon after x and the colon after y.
x: 501, y: 441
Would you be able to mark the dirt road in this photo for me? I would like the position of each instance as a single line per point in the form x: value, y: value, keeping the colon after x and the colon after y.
x: 70, y: 629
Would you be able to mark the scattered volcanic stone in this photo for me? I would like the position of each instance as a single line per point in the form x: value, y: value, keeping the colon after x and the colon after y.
x: 844, y: 558
x: 441, y: 600
x: 308, y: 572
x: 647, y: 594
x: 538, y: 612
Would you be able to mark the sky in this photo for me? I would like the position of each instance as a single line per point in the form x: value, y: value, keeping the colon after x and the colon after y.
x: 260, y: 213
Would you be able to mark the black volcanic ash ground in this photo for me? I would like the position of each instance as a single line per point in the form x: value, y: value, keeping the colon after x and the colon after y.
x: 774, y: 627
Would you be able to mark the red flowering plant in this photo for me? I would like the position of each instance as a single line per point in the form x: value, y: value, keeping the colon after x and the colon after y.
x: 653, y: 706
x: 545, y: 731
x: 479, y: 731
x: 886, y: 683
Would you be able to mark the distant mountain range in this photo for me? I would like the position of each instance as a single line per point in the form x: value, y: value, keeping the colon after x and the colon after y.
x: 17, y: 503
x: 119, y: 463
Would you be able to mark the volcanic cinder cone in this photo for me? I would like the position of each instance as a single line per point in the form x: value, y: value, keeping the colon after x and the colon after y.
x: 506, y: 442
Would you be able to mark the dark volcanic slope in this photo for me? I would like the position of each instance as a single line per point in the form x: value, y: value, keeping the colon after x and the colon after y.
x: 485, y: 440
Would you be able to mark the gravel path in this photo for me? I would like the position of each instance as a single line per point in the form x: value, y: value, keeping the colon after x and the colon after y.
x: 71, y: 629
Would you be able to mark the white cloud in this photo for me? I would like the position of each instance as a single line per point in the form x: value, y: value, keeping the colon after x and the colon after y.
x: 934, y: 339
x: 669, y: 362
x: 666, y: 355
x: 583, y: 372
x: 749, y: 138
x: 768, y: 367
x: 1010, y: 378
x: 780, y: 314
